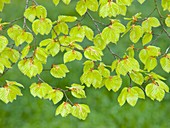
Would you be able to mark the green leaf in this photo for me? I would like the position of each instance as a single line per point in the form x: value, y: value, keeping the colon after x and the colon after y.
x: 66, y: 1
x: 130, y: 51
x: 10, y: 91
x: 113, y: 83
x: 55, y: 95
x: 77, y: 91
x: 143, y: 55
x: 77, y: 33
x: 64, y: 109
x: 41, y: 54
x: 140, y: 92
x: 41, y: 12
x: 154, y: 91
x: 149, y: 23
x: 56, y: 2
x: 3, y: 43
x: 141, y: 1
x: 30, y: 13
x: 52, y: 46
x: 92, y: 77
x: 147, y: 38
x: 132, y: 96
x: 61, y: 27
x: 166, y: 5
x: 93, y: 53
x: 14, y: 31
x: 122, y: 9
x: 92, y: 5
x: 137, y: 77
x: 40, y: 90
x: 25, y: 51
x: 30, y: 67
x: 122, y: 96
x: 59, y: 71
x: 104, y: 71
x: 125, y: 2
x: 114, y: 65
x: 81, y: 7
x: 110, y: 35
x: 165, y: 63
x: 88, y: 65
x: 151, y: 63
x: 72, y: 55
x: 88, y: 32
x: 42, y: 26
x: 136, y: 33
x: 109, y: 9
x: 167, y: 21
x: 99, y: 42
x: 63, y: 18
x: 80, y: 111
x: 162, y: 85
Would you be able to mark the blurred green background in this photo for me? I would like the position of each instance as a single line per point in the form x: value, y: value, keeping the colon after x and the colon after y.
x: 29, y: 112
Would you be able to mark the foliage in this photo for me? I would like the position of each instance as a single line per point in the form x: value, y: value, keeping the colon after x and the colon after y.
x: 68, y: 35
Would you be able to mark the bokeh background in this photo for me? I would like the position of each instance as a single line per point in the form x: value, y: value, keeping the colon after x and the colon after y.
x: 29, y: 112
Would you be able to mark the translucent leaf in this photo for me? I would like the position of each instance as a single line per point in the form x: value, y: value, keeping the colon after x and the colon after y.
x: 88, y: 65
x: 141, y: 1
x: 81, y: 7
x: 30, y: 67
x: 132, y: 96
x: 123, y: 9
x: 147, y: 38
x: 113, y: 83
x: 165, y: 63
x: 42, y: 26
x: 30, y: 13
x: 77, y: 33
x: 56, y: 2
x: 41, y: 11
x: 3, y: 43
x: 166, y: 5
x: 99, y: 42
x: 40, y: 90
x: 154, y: 22
x: 162, y: 85
x: 10, y: 91
x: 137, y: 77
x: 154, y: 91
x: 124, y: 2
x: 66, y: 1
x: 72, y: 55
x: 59, y: 71
x: 61, y: 27
x: 151, y: 63
x: 1, y: 68
x: 55, y: 95
x: 122, y: 96
x: 77, y: 91
x: 136, y: 33
x: 52, y: 46
x: 41, y: 54
x: 88, y: 32
x: 92, y: 77
x: 114, y: 64
x: 92, y: 5
x: 80, y: 111
x: 140, y: 92
x: 167, y: 21
x: 14, y: 31
x: 25, y: 51
x: 64, y: 109
x: 63, y: 18
x: 93, y: 53
x: 109, y: 9
x: 143, y: 55
x: 104, y: 71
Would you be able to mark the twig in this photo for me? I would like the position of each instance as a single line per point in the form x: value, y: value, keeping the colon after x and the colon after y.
x: 25, y: 20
